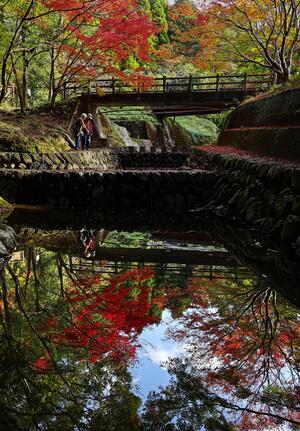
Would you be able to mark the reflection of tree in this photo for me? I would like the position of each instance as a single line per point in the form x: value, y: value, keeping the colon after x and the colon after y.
x: 184, y: 405
x: 105, y: 316
x: 244, y: 342
x: 63, y: 363
x: 188, y: 404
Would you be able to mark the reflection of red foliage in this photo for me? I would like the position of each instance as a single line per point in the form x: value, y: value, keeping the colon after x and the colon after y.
x: 251, y: 340
x: 107, y: 319
x: 42, y: 365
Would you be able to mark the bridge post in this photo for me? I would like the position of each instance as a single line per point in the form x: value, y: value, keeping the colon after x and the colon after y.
x: 218, y: 83
x: 113, y: 85
x: 245, y: 82
x: 190, y: 88
x: 164, y: 84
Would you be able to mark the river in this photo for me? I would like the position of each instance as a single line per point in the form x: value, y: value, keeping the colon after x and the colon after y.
x: 135, y: 323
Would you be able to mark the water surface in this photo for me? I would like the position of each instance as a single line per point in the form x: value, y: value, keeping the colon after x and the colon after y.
x: 112, y: 326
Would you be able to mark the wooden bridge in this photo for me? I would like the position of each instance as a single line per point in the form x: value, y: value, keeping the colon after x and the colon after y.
x: 172, y: 96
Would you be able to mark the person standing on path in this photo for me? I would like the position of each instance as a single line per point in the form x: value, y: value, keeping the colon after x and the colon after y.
x: 90, y: 127
x: 85, y: 132
x: 80, y: 132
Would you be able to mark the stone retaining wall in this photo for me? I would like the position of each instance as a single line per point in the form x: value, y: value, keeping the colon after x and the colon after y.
x: 269, y: 125
x: 160, y: 191
x: 260, y: 193
x: 102, y: 159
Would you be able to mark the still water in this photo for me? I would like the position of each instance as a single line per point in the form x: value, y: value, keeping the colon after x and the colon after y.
x: 107, y: 326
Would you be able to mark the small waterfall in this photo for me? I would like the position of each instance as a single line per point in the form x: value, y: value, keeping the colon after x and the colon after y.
x: 168, y: 134
x: 125, y: 137
x: 152, y: 132
x: 106, y: 125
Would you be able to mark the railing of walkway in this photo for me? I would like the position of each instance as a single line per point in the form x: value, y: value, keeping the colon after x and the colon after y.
x: 164, y: 85
x: 10, y: 92
x: 210, y: 272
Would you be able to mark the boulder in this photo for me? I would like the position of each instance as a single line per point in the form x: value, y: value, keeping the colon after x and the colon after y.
x: 7, y: 240
x: 291, y: 229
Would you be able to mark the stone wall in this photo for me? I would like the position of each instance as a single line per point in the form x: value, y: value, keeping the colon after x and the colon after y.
x: 269, y: 125
x: 101, y: 159
x: 165, y: 191
x: 262, y: 194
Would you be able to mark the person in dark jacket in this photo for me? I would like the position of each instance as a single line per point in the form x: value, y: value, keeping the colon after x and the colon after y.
x: 80, y: 132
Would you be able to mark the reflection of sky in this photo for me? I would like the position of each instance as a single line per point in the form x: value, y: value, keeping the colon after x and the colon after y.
x: 149, y: 372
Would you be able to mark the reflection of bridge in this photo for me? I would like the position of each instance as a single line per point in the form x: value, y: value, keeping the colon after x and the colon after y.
x: 210, y: 272
x: 164, y: 255
x: 173, y: 96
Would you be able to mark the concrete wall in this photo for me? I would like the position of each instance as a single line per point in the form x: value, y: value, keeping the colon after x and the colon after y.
x: 268, y: 126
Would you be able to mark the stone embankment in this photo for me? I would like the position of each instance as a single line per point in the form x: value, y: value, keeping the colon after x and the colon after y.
x: 100, y: 159
x: 268, y: 125
x: 168, y: 191
x: 262, y: 194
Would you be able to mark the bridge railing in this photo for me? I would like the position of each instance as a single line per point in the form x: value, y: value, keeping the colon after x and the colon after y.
x: 198, y: 271
x: 164, y: 85
x: 10, y: 92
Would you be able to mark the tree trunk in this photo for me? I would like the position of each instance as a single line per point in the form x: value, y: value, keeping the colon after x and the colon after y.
x: 53, y: 97
x: 25, y: 82
x: 282, y: 77
x: 25, y: 65
x: 52, y: 75
x: 18, y: 85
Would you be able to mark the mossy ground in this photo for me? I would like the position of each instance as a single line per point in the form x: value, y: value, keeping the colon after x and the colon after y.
x: 35, y: 131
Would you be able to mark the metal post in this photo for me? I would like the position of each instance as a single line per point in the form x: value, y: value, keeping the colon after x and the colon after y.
x: 164, y: 84
x: 218, y: 83
x: 190, y: 89
x: 245, y: 82
x: 113, y: 85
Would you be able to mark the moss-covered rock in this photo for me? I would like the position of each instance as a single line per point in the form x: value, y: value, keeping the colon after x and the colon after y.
x: 4, y: 204
x: 5, y: 208
x: 193, y: 130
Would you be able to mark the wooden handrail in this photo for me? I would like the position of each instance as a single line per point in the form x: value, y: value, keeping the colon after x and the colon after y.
x: 180, y: 84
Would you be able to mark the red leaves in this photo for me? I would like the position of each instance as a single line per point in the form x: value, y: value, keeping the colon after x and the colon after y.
x: 227, y: 150
x: 103, y: 34
x: 42, y: 365
x: 106, y: 319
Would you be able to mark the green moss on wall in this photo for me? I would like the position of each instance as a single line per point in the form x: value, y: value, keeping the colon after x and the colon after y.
x: 193, y: 130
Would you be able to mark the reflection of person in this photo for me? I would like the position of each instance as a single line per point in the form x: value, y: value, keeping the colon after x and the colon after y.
x: 90, y: 247
x: 89, y: 241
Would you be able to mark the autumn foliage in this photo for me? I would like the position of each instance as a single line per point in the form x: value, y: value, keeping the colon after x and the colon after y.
x: 105, y: 320
x: 251, y: 351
